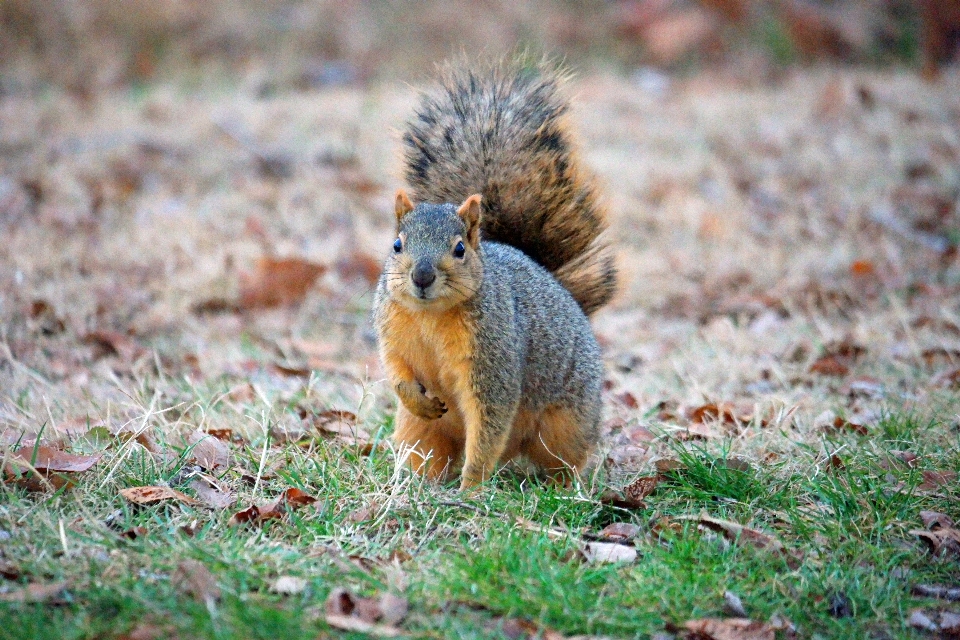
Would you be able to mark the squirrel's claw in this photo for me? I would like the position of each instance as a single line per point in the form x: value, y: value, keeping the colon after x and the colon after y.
x: 413, y: 395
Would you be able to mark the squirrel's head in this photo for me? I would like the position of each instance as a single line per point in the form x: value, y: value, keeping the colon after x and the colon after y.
x: 434, y: 261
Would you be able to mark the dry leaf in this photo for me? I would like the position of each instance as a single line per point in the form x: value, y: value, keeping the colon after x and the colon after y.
x: 211, y: 494
x: 619, y: 532
x: 377, y: 616
x: 150, y: 495
x: 608, y: 552
x: 640, y: 488
x: 830, y: 365
x: 48, y: 593
x: 47, y: 459
x: 939, y: 591
x: 944, y: 623
x: 359, y: 266
x: 278, y: 282
x: 933, y: 480
x: 840, y: 425
x: 113, y: 343
x: 730, y: 629
x: 520, y: 629
x: 737, y: 532
x: 192, y: 578
x: 209, y: 452
x: 255, y: 514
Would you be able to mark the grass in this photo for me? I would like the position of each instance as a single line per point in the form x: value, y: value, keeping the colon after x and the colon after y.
x: 462, y: 561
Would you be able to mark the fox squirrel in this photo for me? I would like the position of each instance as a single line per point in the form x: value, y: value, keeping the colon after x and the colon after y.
x: 483, y: 305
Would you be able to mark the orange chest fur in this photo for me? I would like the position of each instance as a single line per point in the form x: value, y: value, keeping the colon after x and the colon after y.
x: 437, y: 346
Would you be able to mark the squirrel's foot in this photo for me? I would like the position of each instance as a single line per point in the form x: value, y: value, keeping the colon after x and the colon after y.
x: 413, y: 395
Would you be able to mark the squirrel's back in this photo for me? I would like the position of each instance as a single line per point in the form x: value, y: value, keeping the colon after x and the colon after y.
x: 503, y: 131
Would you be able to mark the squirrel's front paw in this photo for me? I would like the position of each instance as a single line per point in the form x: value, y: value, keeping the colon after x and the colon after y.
x: 413, y: 395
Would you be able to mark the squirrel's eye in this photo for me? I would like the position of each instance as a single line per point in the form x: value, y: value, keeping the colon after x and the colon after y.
x: 459, y: 250
x: 397, y: 245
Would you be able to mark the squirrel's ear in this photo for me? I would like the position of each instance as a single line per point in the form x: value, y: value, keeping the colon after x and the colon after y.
x: 469, y: 211
x: 404, y: 206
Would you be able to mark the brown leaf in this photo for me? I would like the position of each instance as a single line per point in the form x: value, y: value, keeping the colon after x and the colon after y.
x: 211, y: 494
x: 133, y: 533
x: 627, y: 456
x: 674, y: 35
x: 291, y: 498
x: 626, y: 399
x: 737, y: 532
x: 619, y: 532
x: 377, y: 616
x: 192, y: 578
x: 944, y: 541
x: 520, y: 629
x: 150, y: 495
x: 209, y: 452
x: 729, y: 629
x: 840, y: 425
x: 830, y: 365
x: 666, y: 465
x: 640, y: 488
x: 113, y: 343
x: 48, y: 593
x: 933, y: 480
x: 278, y: 282
x: 359, y: 266
x: 935, y: 519
x: 47, y: 459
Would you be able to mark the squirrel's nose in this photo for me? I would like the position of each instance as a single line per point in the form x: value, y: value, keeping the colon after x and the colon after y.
x: 424, y: 274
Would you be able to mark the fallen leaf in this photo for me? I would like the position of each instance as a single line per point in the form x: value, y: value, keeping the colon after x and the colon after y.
x: 840, y: 425
x: 938, y: 591
x: 619, y: 532
x: 359, y: 266
x: 608, y: 552
x: 640, y: 488
x: 288, y: 585
x: 520, y: 629
x: 47, y: 459
x: 150, y: 495
x: 944, y: 623
x: 192, y: 578
x: 211, y: 494
x: 255, y: 514
x: 666, y: 465
x: 737, y: 532
x: 377, y: 616
x: 113, y: 343
x: 133, y: 533
x: 278, y: 282
x: 933, y: 480
x: 830, y: 365
x: 47, y: 593
x: 627, y: 457
x: 729, y: 629
x: 209, y: 452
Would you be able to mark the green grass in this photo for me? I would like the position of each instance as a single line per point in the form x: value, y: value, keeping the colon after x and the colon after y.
x: 463, y: 562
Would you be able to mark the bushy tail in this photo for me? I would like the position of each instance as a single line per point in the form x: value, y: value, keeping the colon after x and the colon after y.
x: 502, y: 131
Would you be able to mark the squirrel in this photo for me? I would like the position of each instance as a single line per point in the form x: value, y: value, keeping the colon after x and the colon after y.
x: 481, y: 312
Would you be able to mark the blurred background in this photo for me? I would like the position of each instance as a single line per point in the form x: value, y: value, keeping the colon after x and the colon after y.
x: 84, y: 45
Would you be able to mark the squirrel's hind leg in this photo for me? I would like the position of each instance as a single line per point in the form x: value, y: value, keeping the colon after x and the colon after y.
x: 561, y: 442
x: 432, y: 452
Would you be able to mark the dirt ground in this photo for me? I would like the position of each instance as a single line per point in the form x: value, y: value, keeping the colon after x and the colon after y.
x: 787, y: 249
